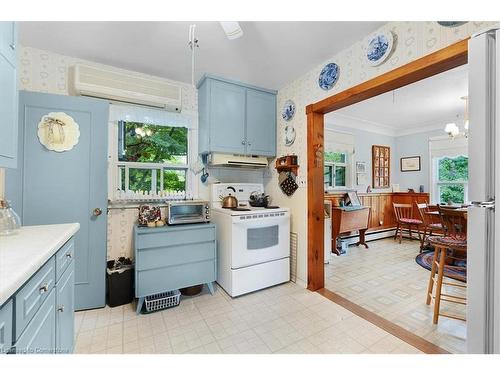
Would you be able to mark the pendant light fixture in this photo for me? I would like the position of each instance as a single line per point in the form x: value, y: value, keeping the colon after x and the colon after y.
x: 452, y: 128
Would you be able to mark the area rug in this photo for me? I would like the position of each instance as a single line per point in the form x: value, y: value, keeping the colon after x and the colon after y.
x: 425, y: 260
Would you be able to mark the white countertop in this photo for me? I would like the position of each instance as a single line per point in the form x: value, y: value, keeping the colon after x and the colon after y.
x: 22, y: 254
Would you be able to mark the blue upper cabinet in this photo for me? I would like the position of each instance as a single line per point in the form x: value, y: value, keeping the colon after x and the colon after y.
x: 261, y: 123
x: 8, y: 95
x: 236, y: 118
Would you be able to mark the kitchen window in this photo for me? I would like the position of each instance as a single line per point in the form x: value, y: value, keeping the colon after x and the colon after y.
x: 336, y: 170
x: 151, y: 158
x: 451, y: 179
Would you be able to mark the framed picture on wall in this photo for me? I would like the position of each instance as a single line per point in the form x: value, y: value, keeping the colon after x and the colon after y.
x: 360, y: 167
x: 410, y: 164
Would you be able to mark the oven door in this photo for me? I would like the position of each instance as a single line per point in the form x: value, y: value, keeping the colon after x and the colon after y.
x: 260, y: 238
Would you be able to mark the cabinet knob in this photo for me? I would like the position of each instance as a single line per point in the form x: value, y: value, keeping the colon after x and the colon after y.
x: 243, y: 142
x: 69, y: 256
x: 12, y: 46
x: 60, y: 308
x: 97, y: 211
x: 44, y: 288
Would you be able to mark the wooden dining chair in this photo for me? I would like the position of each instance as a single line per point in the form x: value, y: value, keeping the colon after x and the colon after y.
x: 450, y: 254
x: 404, y: 219
x: 431, y: 222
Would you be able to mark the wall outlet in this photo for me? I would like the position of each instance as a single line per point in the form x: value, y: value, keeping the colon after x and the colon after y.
x: 301, y: 181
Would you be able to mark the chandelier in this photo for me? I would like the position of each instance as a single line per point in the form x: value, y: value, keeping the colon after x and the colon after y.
x: 452, y: 128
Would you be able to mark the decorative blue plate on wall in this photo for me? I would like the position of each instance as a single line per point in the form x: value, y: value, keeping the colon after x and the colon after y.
x: 379, y: 48
x: 329, y: 76
x: 451, y: 23
x: 288, y: 110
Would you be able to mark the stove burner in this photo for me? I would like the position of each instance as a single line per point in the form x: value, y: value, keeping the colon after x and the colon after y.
x: 271, y: 207
x: 240, y: 209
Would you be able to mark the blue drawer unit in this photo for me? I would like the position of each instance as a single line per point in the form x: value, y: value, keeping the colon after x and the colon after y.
x: 174, y: 257
x: 6, y: 327
x: 64, y: 257
x: 32, y: 295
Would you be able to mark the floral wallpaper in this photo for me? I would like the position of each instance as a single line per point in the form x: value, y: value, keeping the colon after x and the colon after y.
x: 412, y: 40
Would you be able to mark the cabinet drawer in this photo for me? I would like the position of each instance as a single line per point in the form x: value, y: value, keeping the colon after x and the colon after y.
x: 6, y: 327
x: 40, y: 334
x: 65, y: 311
x: 32, y: 295
x: 64, y: 257
x: 185, y: 236
x: 159, y: 257
x: 175, y: 277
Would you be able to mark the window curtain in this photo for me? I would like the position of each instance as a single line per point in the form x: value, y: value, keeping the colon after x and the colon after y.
x: 123, y: 112
x: 339, y: 142
x: 448, y: 147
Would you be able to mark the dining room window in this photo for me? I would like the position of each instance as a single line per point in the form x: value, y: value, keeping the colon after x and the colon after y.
x: 451, y: 179
x: 336, y: 170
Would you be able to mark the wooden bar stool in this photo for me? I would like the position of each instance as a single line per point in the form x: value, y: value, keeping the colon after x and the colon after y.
x: 450, y: 251
x: 431, y: 222
x: 404, y: 219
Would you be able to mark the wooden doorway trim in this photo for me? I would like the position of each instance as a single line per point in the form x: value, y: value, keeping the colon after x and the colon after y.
x: 445, y: 59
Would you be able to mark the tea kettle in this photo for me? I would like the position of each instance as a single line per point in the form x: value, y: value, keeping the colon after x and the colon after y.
x: 9, y: 221
x: 229, y: 201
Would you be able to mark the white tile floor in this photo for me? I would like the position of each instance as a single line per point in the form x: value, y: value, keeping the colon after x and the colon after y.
x: 281, y: 319
x: 386, y: 280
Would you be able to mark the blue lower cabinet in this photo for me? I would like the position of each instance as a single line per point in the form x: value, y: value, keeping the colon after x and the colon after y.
x: 65, y: 311
x: 6, y: 327
x: 40, y: 317
x: 39, y: 337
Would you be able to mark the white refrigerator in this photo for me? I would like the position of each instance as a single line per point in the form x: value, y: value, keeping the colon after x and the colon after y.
x: 483, y: 258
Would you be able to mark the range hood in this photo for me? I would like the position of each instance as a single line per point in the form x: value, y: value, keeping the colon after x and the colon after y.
x: 231, y: 160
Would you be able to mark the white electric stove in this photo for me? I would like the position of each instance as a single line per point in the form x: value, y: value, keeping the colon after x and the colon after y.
x: 253, y: 242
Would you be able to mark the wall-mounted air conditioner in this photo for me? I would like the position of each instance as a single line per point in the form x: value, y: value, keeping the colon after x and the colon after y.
x: 106, y: 84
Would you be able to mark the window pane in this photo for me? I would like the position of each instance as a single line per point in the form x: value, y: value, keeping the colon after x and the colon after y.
x: 451, y: 193
x: 328, y: 176
x: 174, y: 180
x: 121, y: 178
x: 153, y: 143
x: 340, y: 176
x: 335, y: 157
x: 453, y: 169
x: 139, y: 179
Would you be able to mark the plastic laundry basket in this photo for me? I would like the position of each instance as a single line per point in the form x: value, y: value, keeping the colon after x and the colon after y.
x: 163, y: 300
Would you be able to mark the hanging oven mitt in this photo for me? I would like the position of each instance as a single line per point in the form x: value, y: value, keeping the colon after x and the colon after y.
x: 288, y: 186
x: 282, y: 177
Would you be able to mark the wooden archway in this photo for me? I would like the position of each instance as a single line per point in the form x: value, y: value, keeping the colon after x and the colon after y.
x: 427, y: 66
